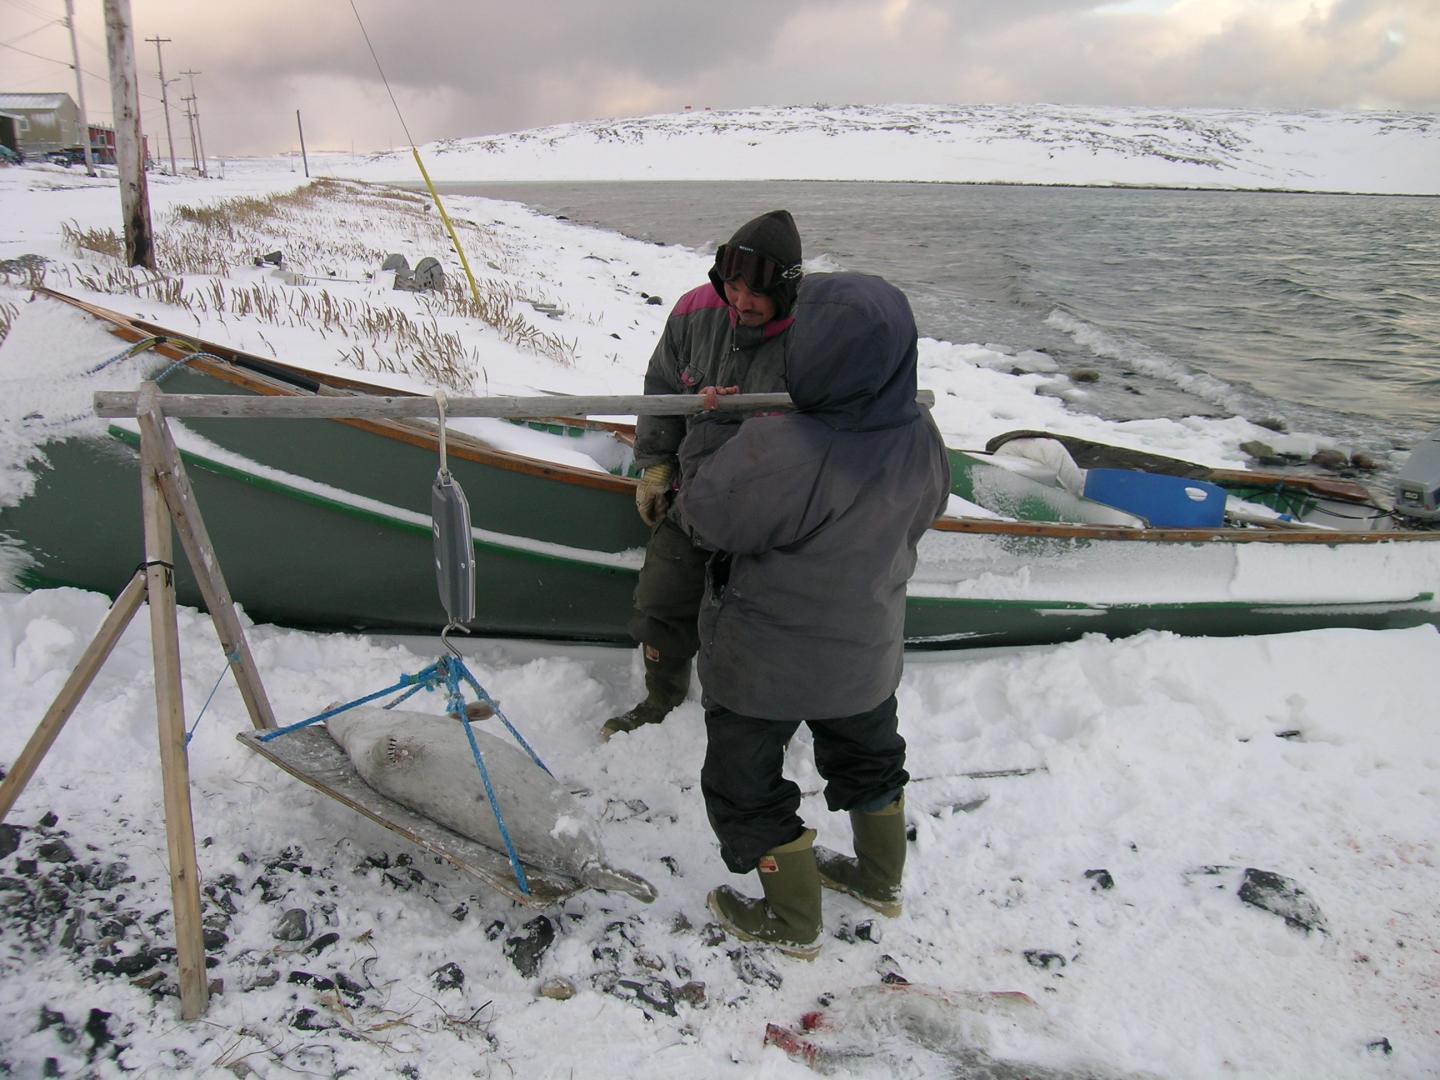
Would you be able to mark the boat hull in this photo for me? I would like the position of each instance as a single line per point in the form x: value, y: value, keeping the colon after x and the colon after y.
x: 324, y: 524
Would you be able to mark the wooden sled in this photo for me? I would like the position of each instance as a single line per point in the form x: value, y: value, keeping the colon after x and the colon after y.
x: 311, y: 755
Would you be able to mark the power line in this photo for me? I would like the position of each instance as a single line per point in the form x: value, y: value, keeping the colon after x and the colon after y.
x: 22, y: 37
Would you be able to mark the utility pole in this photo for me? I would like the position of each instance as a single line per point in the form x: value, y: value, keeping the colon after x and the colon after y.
x: 195, y: 108
x: 129, y: 143
x: 164, y: 100
x: 190, y: 122
x: 301, y: 126
x: 79, y: 86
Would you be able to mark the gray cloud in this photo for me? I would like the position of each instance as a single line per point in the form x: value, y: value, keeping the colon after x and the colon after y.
x: 459, y: 68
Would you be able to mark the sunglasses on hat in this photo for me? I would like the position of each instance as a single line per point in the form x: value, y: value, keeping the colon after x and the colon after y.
x: 758, y: 272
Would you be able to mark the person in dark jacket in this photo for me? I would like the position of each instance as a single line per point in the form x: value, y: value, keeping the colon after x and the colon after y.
x: 814, y: 518
x: 727, y: 336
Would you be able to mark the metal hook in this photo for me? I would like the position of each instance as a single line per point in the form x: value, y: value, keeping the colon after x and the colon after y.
x: 445, y: 637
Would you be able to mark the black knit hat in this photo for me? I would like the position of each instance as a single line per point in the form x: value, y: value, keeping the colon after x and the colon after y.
x: 774, y: 236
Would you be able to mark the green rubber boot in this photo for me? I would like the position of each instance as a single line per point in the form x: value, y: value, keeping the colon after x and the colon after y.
x: 873, y: 874
x: 666, y: 683
x: 788, y: 918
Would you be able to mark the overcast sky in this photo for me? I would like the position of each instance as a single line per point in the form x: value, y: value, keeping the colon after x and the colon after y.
x: 470, y: 67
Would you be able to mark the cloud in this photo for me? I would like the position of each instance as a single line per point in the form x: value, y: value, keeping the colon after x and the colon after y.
x: 457, y: 68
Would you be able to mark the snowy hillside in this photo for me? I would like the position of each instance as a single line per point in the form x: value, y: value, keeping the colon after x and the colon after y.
x: 1371, y: 152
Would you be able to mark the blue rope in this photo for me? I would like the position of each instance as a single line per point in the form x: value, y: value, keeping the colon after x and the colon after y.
x: 125, y: 353
x: 230, y: 658
x: 428, y: 680
x: 449, y: 671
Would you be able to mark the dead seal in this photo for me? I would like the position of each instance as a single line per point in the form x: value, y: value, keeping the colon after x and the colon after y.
x: 424, y: 763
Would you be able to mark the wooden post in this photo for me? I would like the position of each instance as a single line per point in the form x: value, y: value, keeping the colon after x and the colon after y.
x: 93, y: 659
x: 174, y: 764
x: 185, y: 511
x: 129, y: 143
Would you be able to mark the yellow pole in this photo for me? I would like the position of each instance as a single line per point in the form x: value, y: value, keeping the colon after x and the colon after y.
x: 474, y: 291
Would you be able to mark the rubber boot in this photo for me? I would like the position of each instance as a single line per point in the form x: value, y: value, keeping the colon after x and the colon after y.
x: 666, y: 683
x: 789, y: 916
x: 873, y: 874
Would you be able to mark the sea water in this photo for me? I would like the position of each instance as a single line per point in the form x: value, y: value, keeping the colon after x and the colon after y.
x: 1319, y: 312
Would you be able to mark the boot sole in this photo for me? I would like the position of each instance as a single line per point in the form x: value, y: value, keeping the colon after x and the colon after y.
x: 798, y: 952
x: 889, y: 908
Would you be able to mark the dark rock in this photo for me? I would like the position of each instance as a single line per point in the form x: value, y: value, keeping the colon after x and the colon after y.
x: 654, y: 301
x: 55, y: 851
x: 9, y: 840
x: 98, y: 1029
x: 1084, y: 375
x: 751, y: 967
x: 1044, y: 959
x: 214, y: 940
x: 1100, y: 879
x: 306, y: 978
x: 54, y: 1018
x: 495, y: 929
x: 294, y: 925
x: 321, y: 943
x: 1363, y: 461
x: 459, y: 912
x: 308, y: 1020
x: 1281, y: 896
x: 869, y: 930
x: 136, y: 963
x: 1270, y: 423
x: 1333, y: 460
x: 528, y: 948
x: 691, y: 993
x: 50, y: 820
x: 648, y: 993
x: 671, y: 864
x: 447, y: 976
x: 1380, y: 1046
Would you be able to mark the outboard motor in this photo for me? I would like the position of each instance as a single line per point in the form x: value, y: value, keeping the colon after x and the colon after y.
x: 1417, y: 492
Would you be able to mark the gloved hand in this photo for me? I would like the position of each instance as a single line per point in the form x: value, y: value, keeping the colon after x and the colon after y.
x: 650, y: 493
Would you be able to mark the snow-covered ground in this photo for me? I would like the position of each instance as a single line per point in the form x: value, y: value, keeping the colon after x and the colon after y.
x: 1373, y: 152
x: 1115, y: 872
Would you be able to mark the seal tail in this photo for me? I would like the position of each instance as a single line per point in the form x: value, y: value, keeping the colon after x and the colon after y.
x: 609, y: 879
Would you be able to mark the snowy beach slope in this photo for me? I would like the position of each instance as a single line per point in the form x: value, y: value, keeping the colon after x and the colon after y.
x: 1371, y: 152
x: 1197, y: 858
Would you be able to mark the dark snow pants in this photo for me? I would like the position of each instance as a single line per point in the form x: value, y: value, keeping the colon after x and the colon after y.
x: 668, y: 594
x: 752, y: 806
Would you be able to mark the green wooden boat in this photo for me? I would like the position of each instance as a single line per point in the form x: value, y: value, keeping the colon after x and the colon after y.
x: 325, y: 524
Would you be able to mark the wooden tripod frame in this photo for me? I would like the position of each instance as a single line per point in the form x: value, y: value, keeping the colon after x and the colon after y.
x: 167, y: 502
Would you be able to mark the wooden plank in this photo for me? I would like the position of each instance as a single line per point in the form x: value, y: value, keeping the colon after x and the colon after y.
x: 170, y: 712
x: 114, y: 403
x: 90, y: 663
x: 311, y: 755
x: 205, y: 565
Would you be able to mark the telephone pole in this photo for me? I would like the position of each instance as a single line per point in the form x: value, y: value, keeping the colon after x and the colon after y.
x: 195, y: 110
x: 79, y: 87
x: 190, y: 123
x: 129, y: 144
x: 164, y: 100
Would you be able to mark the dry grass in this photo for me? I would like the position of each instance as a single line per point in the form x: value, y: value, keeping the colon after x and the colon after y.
x: 320, y: 229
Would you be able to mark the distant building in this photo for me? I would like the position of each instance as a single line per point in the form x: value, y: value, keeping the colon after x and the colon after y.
x: 43, y: 123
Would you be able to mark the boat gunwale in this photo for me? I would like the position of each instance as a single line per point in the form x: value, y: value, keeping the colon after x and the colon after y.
x: 472, y: 449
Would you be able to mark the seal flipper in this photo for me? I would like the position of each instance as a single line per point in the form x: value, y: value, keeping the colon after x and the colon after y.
x: 609, y: 879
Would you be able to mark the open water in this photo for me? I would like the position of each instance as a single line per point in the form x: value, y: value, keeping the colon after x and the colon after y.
x: 1320, y: 311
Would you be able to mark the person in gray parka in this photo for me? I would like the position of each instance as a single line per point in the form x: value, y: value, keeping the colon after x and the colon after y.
x: 814, y: 518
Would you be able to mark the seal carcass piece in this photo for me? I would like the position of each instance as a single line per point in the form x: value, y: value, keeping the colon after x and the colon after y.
x: 425, y: 763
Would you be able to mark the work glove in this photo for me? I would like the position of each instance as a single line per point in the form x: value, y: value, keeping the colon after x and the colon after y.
x: 651, y: 492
